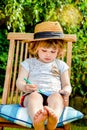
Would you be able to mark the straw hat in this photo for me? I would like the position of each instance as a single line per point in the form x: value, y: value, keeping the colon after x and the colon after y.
x: 49, y: 30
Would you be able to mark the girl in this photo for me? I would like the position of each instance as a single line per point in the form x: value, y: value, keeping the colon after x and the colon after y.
x: 48, y: 75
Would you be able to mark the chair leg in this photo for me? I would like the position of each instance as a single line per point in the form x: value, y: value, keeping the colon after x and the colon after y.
x: 67, y: 127
x: 1, y: 128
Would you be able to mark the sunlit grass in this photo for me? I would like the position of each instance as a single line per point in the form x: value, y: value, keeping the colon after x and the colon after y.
x: 73, y: 127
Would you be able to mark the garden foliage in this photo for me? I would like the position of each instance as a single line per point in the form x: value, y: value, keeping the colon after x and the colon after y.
x: 22, y: 15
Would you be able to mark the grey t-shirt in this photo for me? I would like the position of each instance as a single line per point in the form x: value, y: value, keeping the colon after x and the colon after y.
x: 47, y: 76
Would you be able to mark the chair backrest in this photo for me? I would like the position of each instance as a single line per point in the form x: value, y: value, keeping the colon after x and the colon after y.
x: 18, y: 51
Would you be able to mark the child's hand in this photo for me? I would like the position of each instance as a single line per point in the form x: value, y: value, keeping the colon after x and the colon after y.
x: 64, y: 93
x: 30, y: 87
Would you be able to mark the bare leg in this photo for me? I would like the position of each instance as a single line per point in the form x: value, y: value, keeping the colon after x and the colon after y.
x: 52, y: 118
x: 54, y: 109
x: 39, y: 119
x: 34, y: 103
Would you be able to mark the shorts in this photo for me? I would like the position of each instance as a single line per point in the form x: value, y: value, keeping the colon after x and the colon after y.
x: 23, y: 97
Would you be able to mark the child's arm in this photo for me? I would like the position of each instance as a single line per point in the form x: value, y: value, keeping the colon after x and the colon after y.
x: 66, y: 86
x: 21, y: 84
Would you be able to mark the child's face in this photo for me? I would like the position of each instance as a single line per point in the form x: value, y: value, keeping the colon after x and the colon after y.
x: 47, y: 55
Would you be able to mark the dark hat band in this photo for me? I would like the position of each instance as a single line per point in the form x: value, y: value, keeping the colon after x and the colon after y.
x: 48, y: 35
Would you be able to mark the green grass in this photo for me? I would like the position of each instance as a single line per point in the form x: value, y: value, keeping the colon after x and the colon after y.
x: 73, y: 127
x: 15, y: 128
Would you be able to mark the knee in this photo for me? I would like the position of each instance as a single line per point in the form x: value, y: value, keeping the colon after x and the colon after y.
x: 56, y: 97
x: 35, y: 96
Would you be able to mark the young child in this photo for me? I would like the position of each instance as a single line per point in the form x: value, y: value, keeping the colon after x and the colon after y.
x: 48, y: 76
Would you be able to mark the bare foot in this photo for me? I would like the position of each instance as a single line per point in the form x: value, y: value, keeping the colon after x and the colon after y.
x: 39, y: 119
x: 52, y: 118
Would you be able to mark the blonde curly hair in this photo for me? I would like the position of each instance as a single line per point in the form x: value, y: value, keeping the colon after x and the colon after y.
x: 60, y: 44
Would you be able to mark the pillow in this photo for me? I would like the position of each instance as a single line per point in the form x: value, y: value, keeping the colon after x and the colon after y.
x: 17, y: 114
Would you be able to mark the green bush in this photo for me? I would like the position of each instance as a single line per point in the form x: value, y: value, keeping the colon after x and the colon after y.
x: 24, y: 14
x: 3, y: 56
x: 79, y: 63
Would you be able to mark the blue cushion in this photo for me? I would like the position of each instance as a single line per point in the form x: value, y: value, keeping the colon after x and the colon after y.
x: 17, y: 114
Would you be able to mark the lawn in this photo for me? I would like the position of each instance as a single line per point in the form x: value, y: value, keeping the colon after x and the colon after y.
x: 73, y: 127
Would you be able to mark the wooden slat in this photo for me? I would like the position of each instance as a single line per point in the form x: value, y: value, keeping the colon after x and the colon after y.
x: 20, y: 36
x: 8, y: 72
x: 69, y: 55
x: 21, y: 58
x: 15, y: 71
x: 29, y: 36
x: 70, y: 37
x: 6, y: 123
x: 21, y: 52
x: 26, y: 50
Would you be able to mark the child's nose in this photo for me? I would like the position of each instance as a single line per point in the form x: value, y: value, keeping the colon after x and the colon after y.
x: 48, y: 54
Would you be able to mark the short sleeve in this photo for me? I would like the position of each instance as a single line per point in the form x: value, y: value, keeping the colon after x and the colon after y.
x: 62, y: 66
x: 25, y: 64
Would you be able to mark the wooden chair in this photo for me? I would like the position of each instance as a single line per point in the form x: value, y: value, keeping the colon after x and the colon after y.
x: 18, y: 51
